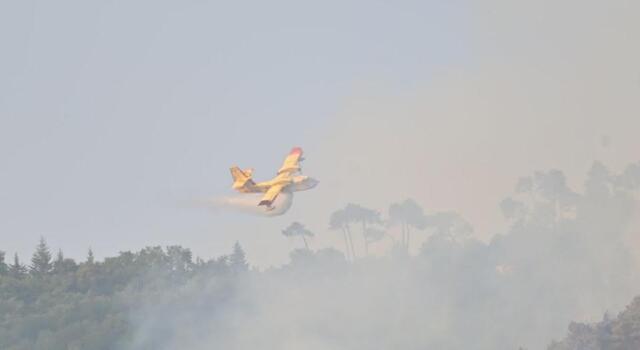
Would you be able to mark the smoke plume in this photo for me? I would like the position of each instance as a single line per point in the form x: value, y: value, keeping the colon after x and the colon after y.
x: 248, y: 204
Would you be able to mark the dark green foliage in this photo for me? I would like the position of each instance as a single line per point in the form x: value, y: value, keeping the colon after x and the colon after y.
x: 237, y: 259
x: 565, y: 255
x: 89, y: 306
x: 59, y: 260
x: 90, y: 258
x: 4, y: 269
x: 17, y: 270
x: 41, y: 259
x: 62, y: 265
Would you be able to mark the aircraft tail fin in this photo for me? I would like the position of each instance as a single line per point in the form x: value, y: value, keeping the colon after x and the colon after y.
x: 241, y: 178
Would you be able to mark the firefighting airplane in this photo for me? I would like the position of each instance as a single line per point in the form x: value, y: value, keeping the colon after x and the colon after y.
x: 288, y: 179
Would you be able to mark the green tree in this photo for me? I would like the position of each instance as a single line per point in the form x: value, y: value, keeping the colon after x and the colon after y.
x: 17, y: 269
x: 237, y: 259
x: 180, y: 259
x: 4, y: 269
x: 552, y: 186
x: 62, y: 264
x: 407, y: 214
x: 90, y: 257
x: 365, y: 216
x: 338, y: 221
x: 41, y: 259
x: 297, y: 229
x: 58, y: 262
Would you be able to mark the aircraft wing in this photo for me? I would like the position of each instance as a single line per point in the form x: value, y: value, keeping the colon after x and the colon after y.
x: 292, y: 162
x: 271, y: 195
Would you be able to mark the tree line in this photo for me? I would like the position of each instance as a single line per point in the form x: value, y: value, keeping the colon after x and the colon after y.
x: 565, y: 254
x: 406, y: 215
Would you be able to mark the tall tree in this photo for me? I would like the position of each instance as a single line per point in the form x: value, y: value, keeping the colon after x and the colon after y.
x: 60, y: 264
x: 552, y: 186
x: 90, y: 258
x: 365, y: 216
x: 598, y: 183
x: 180, y: 259
x: 16, y: 269
x: 237, y: 259
x: 338, y: 221
x: 4, y: 269
x: 41, y: 259
x: 297, y: 229
x: 407, y: 214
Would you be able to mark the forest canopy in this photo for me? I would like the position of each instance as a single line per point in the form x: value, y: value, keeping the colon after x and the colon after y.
x: 567, y: 255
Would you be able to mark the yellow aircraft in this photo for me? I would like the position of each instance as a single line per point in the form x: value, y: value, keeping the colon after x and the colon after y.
x: 287, y: 179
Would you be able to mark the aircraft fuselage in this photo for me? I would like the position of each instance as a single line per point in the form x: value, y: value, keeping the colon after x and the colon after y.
x: 291, y: 183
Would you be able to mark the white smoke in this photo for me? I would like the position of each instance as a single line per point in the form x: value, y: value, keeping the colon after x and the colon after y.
x: 248, y: 204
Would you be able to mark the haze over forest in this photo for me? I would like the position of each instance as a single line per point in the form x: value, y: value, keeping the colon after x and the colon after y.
x: 568, y: 255
x: 109, y: 123
x: 478, y: 165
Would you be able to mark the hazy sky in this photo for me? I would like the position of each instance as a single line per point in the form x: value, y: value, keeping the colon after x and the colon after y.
x: 113, y: 114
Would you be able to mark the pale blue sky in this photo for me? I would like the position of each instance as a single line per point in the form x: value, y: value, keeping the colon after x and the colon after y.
x: 115, y: 114
x: 112, y: 112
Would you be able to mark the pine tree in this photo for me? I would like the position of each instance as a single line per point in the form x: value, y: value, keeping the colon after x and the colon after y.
x: 90, y: 258
x: 237, y: 259
x: 41, y: 259
x: 16, y: 269
x: 58, y: 264
x: 298, y: 229
x: 4, y: 269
